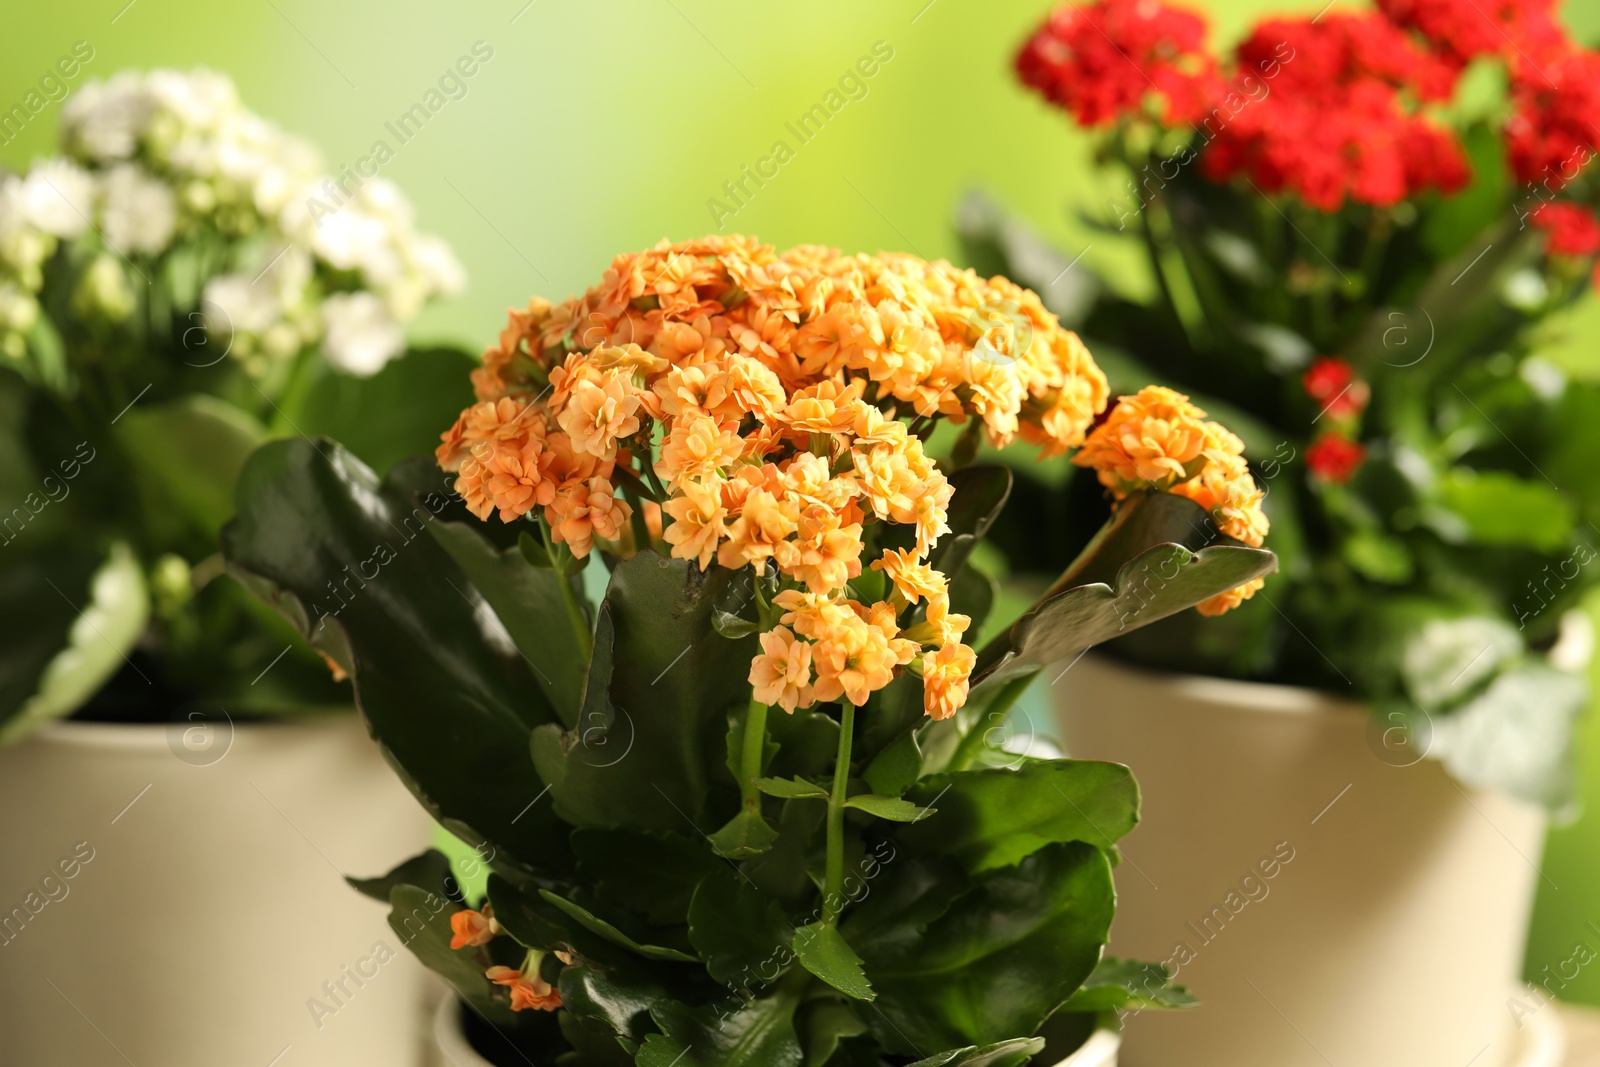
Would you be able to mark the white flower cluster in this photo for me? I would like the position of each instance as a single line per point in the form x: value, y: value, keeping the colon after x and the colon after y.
x: 154, y: 161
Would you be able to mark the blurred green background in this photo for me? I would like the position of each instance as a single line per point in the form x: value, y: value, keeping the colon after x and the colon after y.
x: 600, y: 127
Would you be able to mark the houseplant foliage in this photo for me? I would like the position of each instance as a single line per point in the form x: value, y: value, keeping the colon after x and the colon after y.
x: 748, y: 808
x: 1363, y: 232
x: 175, y: 289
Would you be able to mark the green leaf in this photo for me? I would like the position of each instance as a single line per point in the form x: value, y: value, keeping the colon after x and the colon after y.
x: 826, y: 1024
x: 759, y: 1034
x: 1013, y: 1053
x: 660, y: 684
x: 1082, y: 610
x: 994, y: 817
x: 531, y: 921
x: 746, y: 835
x: 598, y: 926
x: 348, y: 562
x: 1004, y: 956
x: 1446, y: 659
x: 823, y: 951
x: 395, y: 413
x: 741, y: 934
x: 733, y: 626
x: 1516, y: 736
x: 69, y: 624
x: 422, y: 921
x: 978, y: 495
x: 429, y: 871
x: 896, y: 768
x: 189, y: 453
x: 610, y: 861
x: 617, y: 998
x: 791, y: 789
x: 1494, y: 508
x: 1128, y: 985
x: 892, y: 808
x: 527, y: 601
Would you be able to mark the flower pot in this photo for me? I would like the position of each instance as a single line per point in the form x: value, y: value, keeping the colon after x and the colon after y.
x: 452, y: 1049
x: 1328, y: 900
x: 175, y: 895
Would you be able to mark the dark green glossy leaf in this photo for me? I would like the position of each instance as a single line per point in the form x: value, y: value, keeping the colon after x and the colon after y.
x: 759, y: 1034
x: 1001, y: 960
x: 528, y: 602
x: 349, y: 563
x: 422, y: 922
x: 661, y: 681
x: 610, y: 862
x: 742, y: 935
x: 995, y: 817
x: 429, y: 871
x: 601, y: 928
x: 746, y: 835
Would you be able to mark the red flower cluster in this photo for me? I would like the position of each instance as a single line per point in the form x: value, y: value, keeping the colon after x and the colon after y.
x: 1523, y: 32
x: 1555, y: 121
x: 1569, y: 229
x: 1335, y: 455
x: 1332, y: 383
x: 1342, y: 121
x: 1100, y: 61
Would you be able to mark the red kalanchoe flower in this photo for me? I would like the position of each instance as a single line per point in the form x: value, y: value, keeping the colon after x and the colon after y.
x: 1556, y: 120
x: 1333, y: 457
x: 1569, y: 229
x: 1332, y: 383
x: 1099, y: 61
x: 1340, y: 121
x: 1523, y: 32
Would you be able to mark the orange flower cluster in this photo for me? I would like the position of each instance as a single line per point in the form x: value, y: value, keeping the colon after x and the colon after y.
x: 1156, y: 440
x: 529, y: 992
x: 767, y: 409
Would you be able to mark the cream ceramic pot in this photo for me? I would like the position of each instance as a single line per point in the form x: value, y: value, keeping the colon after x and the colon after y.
x: 175, y: 896
x: 452, y: 1049
x: 1329, y: 897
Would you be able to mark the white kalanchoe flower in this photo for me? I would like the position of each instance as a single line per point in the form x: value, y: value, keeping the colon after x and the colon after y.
x: 233, y: 305
x: 103, y: 121
x: 138, y: 213
x: 360, y: 336
x: 57, y: 196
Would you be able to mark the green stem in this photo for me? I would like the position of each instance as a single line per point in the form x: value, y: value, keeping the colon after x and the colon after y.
x: 833, y: 877
x: 755, y: 743
x: 560, y: 556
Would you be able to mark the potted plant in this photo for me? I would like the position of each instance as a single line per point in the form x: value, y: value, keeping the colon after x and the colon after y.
x: 747, y: 806
x: 182, y: 282
x: 1364, y: 234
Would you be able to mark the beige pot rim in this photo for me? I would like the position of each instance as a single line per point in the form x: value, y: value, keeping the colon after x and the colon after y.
x: 150, y: 736
x: 1235, y: 694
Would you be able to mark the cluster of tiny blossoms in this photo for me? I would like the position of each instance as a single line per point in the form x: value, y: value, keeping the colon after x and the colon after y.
x: 765, y: 409
x: 1344, y: 116
x: 157, y: 161
x: 1157, y: 441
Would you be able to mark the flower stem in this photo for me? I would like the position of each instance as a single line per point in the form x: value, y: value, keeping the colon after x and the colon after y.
x: 833, y: 876
x: 755, y: 743
x: 560, y: 556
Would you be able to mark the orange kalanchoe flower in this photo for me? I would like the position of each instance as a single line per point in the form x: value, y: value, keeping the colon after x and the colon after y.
x: 1157, y: 440
x: 529, y: 992
x: 472, y: 928
x: 770, y: 407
